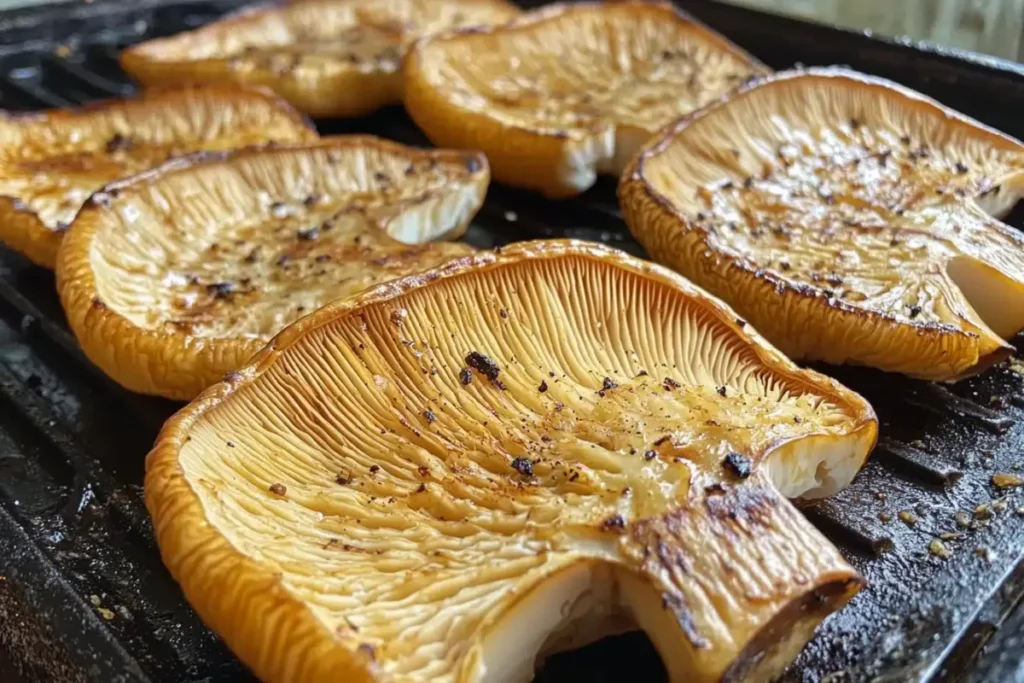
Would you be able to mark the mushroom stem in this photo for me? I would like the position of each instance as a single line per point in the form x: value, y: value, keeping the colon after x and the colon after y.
x: 729, y: 587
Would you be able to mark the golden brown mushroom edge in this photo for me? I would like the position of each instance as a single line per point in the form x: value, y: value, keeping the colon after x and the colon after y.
x: 51, y: 161
x: 330, y: 58
x: 849, y: 219
x: 177, y: 276
x: 513, y: 454
x: 551, y: 123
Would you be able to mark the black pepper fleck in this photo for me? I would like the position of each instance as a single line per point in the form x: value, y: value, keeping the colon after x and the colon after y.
x: 670, y: 384
x: 483, y: 364
x: 523, y: 466
x: 650, y: 455
x: 722, y: 391
x: 543, y: 387
x: 738, y: 464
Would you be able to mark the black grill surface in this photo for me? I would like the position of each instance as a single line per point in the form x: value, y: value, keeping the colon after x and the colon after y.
x: 81, y: 584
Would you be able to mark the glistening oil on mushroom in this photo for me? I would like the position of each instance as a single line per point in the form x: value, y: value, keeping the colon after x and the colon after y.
x: 866, y: 230
x: 198, y: 263
x: 517, y: 522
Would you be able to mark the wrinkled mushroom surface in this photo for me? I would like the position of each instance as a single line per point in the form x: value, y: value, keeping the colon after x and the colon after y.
x: 174, y: 278
x: 568, y: 91
x: 51, y: 161
x: 337, y: 58
x: 513, y: 454
x: 849, y: 219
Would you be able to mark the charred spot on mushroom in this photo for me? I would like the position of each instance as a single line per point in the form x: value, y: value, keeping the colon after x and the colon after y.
x: 523, y: 466
x: 118, y: 142
x: 738, y: 464
x: 607, y: 384
x: 614, y: 523
x: 483, y: 364
x: 220, y: 290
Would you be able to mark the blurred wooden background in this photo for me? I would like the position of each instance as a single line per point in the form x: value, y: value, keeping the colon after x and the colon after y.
x: 995, y: 27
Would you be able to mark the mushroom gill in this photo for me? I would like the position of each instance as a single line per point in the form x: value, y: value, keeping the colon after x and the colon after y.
x: 330, y: 58
x: 550, y: 122
x: 51, y: 161
x: 849, y: 219
x: 177, y: 276
x: 445, y: 477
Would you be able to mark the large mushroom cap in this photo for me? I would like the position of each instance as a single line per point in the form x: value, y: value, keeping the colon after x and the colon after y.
x: 51, y: 161
x: 849, y: 219
x: 327, y: 57
x: 512, y: 454
x: 568, y: 91
x: 174, y: 278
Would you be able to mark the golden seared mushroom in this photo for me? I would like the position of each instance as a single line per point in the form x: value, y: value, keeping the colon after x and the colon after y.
x: 51, y: 161
x: 849, y: 219
x: 445, y: 477
x: 175, y: 277
x: 339, y: 58
x: 568, y: 91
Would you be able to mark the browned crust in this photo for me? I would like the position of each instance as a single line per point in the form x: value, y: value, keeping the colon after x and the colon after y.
x: 20, y: 227
x: 205, y: 563
x: 529, y: 152
x: 638, y: 198
x: 346, y: 93
x: 118, y: 346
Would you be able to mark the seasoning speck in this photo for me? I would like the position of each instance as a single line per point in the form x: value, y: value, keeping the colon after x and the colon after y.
x: 1005, y: 480
x: 961, y: 167
x: 650, y: 455
x: 429, y: 416
x: 607, y: 384
x: 278, y: 489
x: 614, y: 523
x: 670, y: 384
x: 343, y: 479
x: 523, y: 466
x: 939, y: 549
x: 483, y: 364
x: 738, y: 464
x: 374, y: 469
x: 465, y: 377
x: 722, y: 391
x: 543, y: 386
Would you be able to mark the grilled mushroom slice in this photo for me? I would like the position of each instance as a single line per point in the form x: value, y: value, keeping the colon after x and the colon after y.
x: 849, y: 219
x: 176, y: 277
x: 568, y: 91
x: 337, y: 58
x: 51, y: 161
x: 509, y: 455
